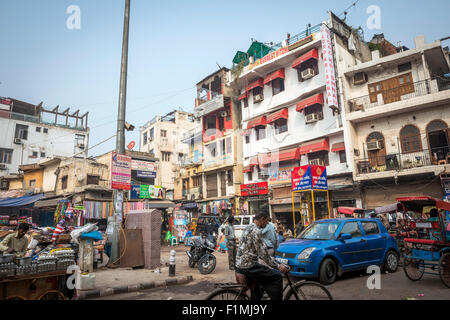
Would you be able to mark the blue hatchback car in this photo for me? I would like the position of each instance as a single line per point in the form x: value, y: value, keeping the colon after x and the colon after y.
x: 328, y: 248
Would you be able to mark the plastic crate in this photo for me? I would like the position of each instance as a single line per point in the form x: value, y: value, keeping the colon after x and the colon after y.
x: 425, y: 255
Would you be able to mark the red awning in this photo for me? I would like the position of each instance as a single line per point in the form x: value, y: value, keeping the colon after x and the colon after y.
x: 313, y: 54
x: 425, y: 201
x: 338, y: 147
x: 286, y: 155
x: 349, y: 211
x: 317, y: 99
x: 275, y: 75
x: 255, y: 84
x: 247, y: 169
x: 282, y: 114
x: 314, y: 146
x: 260, y: 121
x: 254, y: 161
x: 243, y: 96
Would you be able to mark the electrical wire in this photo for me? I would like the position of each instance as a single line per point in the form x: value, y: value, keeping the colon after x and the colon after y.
x: 353, y: 5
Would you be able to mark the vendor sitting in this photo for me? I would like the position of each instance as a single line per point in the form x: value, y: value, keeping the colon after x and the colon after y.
x: 17, y: 242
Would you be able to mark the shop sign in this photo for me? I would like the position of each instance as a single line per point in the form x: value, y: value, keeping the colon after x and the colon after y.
x: 135, y: 191
x: 143, y: 165
x: 254, y: 189
x: 301, y: 42
x: 309, y: 178
x: 280, y: 175
x: 150, y: 192
x: 120, y: 171
x: 269, y: 57
x: 145, y: 174
x: 328, y: 61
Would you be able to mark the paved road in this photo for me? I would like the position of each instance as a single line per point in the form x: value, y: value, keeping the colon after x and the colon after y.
x: 352, y: 286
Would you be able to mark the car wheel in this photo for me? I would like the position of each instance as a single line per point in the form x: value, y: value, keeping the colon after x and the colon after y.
x: 327, y: 272
x: 391, y: 262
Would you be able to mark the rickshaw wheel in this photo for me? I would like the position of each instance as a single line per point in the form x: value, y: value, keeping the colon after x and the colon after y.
x: 414, y: 269
x: 52, y: 295
x: 444, y: 269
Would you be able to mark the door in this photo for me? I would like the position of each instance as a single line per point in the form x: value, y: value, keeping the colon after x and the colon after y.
x: 211, y: 185
x: 391, y: 90
x: 376, y: 242
x: 353, y: 251
x: 439, y: 145
x: 223, y: 184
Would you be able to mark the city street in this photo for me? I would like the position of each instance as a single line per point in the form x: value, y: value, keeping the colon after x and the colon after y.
x: 352, y: 286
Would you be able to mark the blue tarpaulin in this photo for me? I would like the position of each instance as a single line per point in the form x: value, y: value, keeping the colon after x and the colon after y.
x: 22, y: 201
x: 94, y: 235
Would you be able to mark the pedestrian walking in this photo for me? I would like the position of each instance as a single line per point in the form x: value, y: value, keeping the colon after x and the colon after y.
x: 270, y: 237
x: 231, y: 242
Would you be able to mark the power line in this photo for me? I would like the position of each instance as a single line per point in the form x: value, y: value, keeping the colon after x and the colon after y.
x: 351, y: 6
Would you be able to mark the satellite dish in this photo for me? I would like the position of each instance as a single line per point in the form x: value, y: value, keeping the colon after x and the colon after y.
x: 131, y: 145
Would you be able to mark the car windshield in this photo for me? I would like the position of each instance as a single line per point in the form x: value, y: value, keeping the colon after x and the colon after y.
x: 319, y: 231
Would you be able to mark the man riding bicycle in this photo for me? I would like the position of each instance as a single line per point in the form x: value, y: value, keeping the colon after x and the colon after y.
x: 251, y: 248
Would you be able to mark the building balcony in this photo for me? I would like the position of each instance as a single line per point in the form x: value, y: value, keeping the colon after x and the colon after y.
x: 218, y: 161
x: 205, y: 106
x: 191, y: 161
x: 401, y: 164
x: 192, y: 193
x: 398, y: 100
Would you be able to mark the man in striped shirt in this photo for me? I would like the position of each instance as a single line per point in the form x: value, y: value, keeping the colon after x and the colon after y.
x: 58, y: 230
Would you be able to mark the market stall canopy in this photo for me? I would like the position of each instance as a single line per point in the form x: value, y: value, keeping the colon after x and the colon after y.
x: 159, y: 204
x: 22, y: 201
x: 385, y: 209
x: 47, y: 202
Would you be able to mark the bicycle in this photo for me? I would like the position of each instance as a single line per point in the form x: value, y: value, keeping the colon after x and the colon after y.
x: 301, y: 290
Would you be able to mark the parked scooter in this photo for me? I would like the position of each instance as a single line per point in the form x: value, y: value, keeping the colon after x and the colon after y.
x: 201, y: 255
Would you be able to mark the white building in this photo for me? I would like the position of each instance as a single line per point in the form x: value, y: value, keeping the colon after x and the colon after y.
x: 32, y: 134
x: 162, y: 137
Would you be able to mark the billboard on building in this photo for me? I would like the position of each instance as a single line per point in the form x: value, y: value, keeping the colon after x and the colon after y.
x: 309, y: 178
x: 120, y: 171
x: 254, y: 189
x: 328, y: 61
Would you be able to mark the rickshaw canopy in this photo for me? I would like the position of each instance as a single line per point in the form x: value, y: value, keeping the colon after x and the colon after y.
x: 350, y: 211
x: 387, y: 209
x: 418, y: 203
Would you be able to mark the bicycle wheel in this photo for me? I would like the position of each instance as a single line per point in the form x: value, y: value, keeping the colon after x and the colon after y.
x: 444, y: 269
x: 413, y: 269
x: 227, y: 294
x: 308, y: 290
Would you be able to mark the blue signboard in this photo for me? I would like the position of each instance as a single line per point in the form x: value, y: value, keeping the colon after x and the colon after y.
x: 145, y: 174
x: 309, y: 178
x: 135, y: 191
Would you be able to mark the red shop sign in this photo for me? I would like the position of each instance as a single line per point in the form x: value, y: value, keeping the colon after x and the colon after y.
x: 254, y: 189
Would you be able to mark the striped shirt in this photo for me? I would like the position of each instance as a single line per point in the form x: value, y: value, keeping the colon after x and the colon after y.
x: 58, y: 230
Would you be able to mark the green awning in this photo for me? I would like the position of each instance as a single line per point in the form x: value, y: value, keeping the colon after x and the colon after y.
x: 258, y: 50
x: 239, y: 57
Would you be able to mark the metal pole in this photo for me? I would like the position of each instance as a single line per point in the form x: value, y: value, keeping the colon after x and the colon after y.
x: 293, y: 213
x: 120, y: 141
x: 313, y: 206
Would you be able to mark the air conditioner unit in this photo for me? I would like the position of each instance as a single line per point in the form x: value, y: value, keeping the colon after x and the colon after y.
x: 2, y: 166
x: 317, y: 162
x: 80, y: 145
x: 258, y: 98
x: 17, y: 141
x: 359, y: 78
x: 356, y: 107
x: 373, y: 145
x: 223, y: 114
x: 313, y: 117
x: 308, y: 74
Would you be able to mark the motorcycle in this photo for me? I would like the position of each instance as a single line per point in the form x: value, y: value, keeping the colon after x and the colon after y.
x: 201, y: 255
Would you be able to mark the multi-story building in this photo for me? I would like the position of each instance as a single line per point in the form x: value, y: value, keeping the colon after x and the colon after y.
x: 218, y: 108
x: 397, y: 111
x: 291, y: 117
x: 31, y: 134
x: 161, y: 137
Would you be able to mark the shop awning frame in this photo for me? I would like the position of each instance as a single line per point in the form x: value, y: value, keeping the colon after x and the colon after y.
x: 259, y: 121
x: 279, y: 74
x: 255, y: 84
x: 314, y: 146
x: 316, y: 99
x: 312, y: 54
x: 282, y: 114
x: 285, y: 155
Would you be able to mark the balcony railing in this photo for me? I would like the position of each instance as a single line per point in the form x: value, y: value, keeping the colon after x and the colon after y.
x: 401, y: 93
x: 403, y: 161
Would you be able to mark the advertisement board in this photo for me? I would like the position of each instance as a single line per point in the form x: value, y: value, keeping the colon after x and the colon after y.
x: 328, y: 61
x: 120, y: 171
x: 254, y: 189
x: 309, y: 178
x: 143, y: 165
x: 145, y: 174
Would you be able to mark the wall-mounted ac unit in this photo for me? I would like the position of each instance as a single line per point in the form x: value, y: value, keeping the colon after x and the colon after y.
x: 258, y: 98
x: 308, y: 74
x: 317, y: 162
x: 223, y: 114
x: 356, y: 107
x: 313, y: 117
x: 2, y: 166
x: 17, y: 141
x: 359, y: 78
x: 374, y: 145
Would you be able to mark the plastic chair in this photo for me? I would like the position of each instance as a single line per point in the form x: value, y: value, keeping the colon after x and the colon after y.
x: 173, y: 241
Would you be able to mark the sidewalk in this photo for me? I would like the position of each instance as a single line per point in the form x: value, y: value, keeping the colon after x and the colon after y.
x: 122, y: 280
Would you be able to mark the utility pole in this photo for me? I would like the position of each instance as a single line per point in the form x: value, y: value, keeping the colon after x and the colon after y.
x: 120, y: 141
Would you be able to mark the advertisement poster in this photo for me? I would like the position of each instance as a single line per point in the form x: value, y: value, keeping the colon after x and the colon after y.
x: 309, y: 178
x: 327, y: 50
x: 280, y: 175
x: 145, y: 174
x: 143, y: 165
x: 120, y: 172
x: 150, y: 192
x: 254, y: 189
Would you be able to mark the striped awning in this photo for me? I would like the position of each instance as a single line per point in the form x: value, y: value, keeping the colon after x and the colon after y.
x: 274, y: 75
x: 255, y: 84
x: 338, y: 147
x: 316, y: 99
x: 259, y: 121
x: 314, y: 146
x: 285, y: 155
x: 282, y: 114
x: 313, y: 54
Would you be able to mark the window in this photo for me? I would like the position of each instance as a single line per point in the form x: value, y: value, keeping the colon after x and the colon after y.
x: 404, y: 67
x: 260, y: 132
x: 5, y: 155
x: 197, y: 181
x: 258, y: 95
x: 229, y: 145
x: 151, y: 134
x: 230, y: 177
x: 342, y: 156
x: 144, y: 142
x: 352, y: 228
x: 314, y: 109
x: 34, y: 154
x: 281, y: 126
x: 93, y: 179
x: 21, y: 132
x: 165, y: 156
x: 370, y: 228
x: 164, y: 133
x: 222, y: 147
x: 211, y: 149
x: 38, y: 129
x: 410, y: 139
x: 79, y: 141
x: 45, y: 130
x: 64, y: 182
x: 322, y: 156
x: 310, y: 64
x: 152, y: 152
x: 247, y: 139
x: 32, y: 183
x: 42, y: 154
x: 277, y: 86
x: 245, y: 102
x: 250, y: 176
x: 4, y: 185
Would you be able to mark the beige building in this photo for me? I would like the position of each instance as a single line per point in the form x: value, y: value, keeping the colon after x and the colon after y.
x: 162, y: 137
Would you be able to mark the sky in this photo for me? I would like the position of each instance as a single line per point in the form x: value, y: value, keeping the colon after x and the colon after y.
x: 172, y: 46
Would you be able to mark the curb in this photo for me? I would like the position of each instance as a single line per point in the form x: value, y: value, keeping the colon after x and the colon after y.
x: 104, y: 292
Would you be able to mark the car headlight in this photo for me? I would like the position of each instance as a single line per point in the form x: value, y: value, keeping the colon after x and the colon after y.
x: 305, y: 253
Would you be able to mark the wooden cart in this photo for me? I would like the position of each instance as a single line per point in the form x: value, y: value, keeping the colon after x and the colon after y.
x: 40, y: 286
